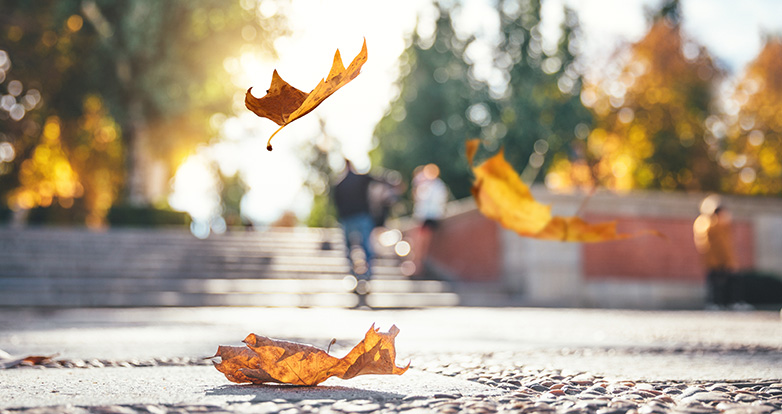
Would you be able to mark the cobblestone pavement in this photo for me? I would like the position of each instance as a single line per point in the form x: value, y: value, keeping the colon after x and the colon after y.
x: 546, y: 361
x: 510, y: 387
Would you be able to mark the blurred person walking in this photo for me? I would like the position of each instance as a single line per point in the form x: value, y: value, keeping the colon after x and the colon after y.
x: 714, y: 241
x: 351, y: 198
x: 430, y: 197
x: 384, y: 192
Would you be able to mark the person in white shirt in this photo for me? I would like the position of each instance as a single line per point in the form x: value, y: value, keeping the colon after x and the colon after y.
x: 430, y: 197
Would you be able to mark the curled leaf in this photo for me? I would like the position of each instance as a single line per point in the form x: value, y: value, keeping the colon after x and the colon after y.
x: 6, y: 361
x: 284, y: 104
x: 267, y: 360
x: 503, y: 197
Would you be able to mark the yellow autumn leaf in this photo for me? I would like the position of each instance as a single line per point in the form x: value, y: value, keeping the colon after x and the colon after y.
x: 503, y: 197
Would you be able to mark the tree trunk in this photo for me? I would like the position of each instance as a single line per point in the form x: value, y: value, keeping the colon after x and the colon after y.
x: 137, y: 161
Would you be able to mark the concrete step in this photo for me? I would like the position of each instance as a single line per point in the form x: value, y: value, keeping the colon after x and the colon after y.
x: 28, y: 285
x: 104, y: 246
x: 162, y: 260
x: 180, y: 299
x: 108, y: 246
x: 133, y: 242
x: 185, y: 271
x: 62, y: 267
x: 79, y: 235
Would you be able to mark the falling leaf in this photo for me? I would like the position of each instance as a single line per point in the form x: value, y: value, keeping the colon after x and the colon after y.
x: 284, y: 104
x: 503, y: 197
x: 266, y: 360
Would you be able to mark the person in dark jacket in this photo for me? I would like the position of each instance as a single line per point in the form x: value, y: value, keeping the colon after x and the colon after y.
x: 351, y: 198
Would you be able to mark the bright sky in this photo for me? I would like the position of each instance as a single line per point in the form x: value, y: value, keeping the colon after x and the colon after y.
x: 731, y: 31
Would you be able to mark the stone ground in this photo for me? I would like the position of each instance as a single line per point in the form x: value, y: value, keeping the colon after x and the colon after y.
x: 480, y: 360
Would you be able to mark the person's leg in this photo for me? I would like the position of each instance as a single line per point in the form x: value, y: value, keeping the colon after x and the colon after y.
x: 351, y: 234
x: 722, y: 293
x: 423, y: 245
x: 366, y: 226
x: 711, y: 288
x: 736, y: 289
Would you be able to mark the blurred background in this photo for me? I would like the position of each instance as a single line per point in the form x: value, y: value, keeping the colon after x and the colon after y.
x: 117, y: 114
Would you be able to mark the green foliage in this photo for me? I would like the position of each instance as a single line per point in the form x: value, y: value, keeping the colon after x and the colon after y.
x: 323, y: 212
x: 441, y: 104
x: 541, y: 108
x: 132, y: 216
x: 317, y: 158
x: 118, y: 216
x: 428, y: 122
x: 232, y: 190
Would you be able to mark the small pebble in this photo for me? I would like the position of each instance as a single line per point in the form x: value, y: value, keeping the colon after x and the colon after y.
x: 537, y: 387
x: 596, y: 389
x: 447, y: 396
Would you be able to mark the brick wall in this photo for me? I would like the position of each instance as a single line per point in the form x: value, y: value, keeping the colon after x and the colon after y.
x: 672, y: 258
x: 644, y: 272
x: 467, y: 246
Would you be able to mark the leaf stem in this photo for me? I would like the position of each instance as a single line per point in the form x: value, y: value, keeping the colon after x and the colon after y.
x: 584, y: 201
x: 269, y: 142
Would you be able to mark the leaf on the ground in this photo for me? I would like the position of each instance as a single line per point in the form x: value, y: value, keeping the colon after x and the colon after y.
x: 10, y: 362
x: 266, y: 360
x: 503, y: 197
x: 284, y: 104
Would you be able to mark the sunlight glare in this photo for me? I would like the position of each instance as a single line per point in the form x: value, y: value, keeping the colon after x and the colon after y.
x: 195, y: 189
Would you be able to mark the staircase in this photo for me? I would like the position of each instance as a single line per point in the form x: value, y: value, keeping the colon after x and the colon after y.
x: 299, y: 267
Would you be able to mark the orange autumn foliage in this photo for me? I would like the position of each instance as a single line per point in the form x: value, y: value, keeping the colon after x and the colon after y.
x: 503, y: 197
x: 267, y: 360
x: 284, y: 104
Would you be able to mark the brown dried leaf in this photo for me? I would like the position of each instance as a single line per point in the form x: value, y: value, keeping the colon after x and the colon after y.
x: 284, y: 104
x: 280, y: 101
x: 267, y: 360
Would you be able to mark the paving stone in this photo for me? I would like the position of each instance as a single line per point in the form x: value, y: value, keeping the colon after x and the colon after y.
x: 511, y: 385
x: 690, y: 391
x: 537, y: 387
x: 743, y: 409
x: 707, y: 397
x: 613, y: 410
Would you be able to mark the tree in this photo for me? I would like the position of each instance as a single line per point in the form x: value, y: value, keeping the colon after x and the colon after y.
x: 650, y: 117
x: 533, y: 113
x: 540, y: 110
x: 232, y: 189
x: 46, y: 121
x: 156, y: 68
x: 429, y: 121
x: 754, y: 147
x: 318, y: 157
x: 156, y: 53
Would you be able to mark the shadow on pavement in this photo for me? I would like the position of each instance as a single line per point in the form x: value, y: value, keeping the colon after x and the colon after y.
x: 297, y: 393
